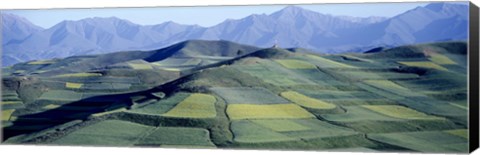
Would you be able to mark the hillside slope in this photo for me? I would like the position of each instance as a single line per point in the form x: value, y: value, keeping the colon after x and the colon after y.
x: 396, y: 99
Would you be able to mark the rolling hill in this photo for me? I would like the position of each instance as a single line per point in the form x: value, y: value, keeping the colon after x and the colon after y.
x: 219, y: 94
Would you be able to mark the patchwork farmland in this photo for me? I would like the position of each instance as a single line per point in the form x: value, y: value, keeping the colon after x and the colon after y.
x: 411, y: 99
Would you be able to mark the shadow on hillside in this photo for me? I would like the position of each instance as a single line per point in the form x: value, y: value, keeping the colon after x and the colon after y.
x: 83, y: 109
x: 78, y: 110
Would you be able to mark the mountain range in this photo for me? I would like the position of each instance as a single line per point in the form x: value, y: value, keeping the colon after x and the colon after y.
x: 290, y: 27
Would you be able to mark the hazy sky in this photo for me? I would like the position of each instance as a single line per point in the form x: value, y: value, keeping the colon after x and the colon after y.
x: 205, y: 16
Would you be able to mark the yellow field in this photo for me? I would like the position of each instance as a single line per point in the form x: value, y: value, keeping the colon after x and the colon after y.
x: 41, y: 62
x: 6, y: 114
x: 281, y: 125
x: 441, y: 59
x: 10, y: 102
x: 306, y: 101
x: 458, y: 132
x: 51, y: 106
x: 40, y: 71
x: 140, y: 66
x: 296, y: 64
x: 73, y: 85
x: 329, y: 63
x: 80, y: 75
x: 255, y: 111
x: 171, y: 69
x: 399, y: 112
x: 194, y: 106
x: 423, y: 64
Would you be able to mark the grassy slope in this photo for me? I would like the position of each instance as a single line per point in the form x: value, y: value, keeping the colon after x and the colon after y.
x: 371, y: 96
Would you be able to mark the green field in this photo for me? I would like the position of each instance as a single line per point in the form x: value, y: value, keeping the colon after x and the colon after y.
x: 327, y: 63
x: 195, y: 106
x: 140, y: 66
x: 423, y: 64
x: 161, y: 106
x: 399, y: 112
x: 10, y: 102
x: 253, y: 111
x: 273, y: 73
x: 245, y: 95
x: 177, y: 136
x: 281, y: 125
x: 80, y: 75
x: 248, y: 132
x: 459, y: 132
x: 357, y: 113
x: 62, y: 95
x: 319, y: 129
x: 428, y: 141
x: 296, y: 64
x: 441, y: 59
x: 106, y: 133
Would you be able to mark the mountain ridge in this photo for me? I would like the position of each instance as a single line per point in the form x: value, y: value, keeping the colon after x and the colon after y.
x: 309, y: 29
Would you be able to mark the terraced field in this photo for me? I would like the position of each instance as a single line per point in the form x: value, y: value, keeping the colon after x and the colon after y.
x: 194, y: 106
x: 106, y: 133
x: 252, y: 111
x: 249, y: 132
x: 296, y: 64
x: 177, y: 136
x: 399, y: 112
x: 224, y: 95
x: 306, y: 101
x: 248, y: 95
x: 431, y: 141
x: 79, y: 75
x: 423, y: 64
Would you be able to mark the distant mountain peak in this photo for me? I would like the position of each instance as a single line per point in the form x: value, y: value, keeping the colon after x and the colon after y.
x: 435, y: 6
x: 292, y: 9
x: 104, y: 20
x: 440, y: 6
x: 16, y: 28
x: 289, y: 12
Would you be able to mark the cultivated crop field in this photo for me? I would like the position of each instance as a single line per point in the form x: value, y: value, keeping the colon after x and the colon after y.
x: 296, y: 64
x: 177, y: 136
x: 423, y: 64
x: 399, y: 112
x: 433, y: 141
x: 410, y: 99
x: 248, y: 95
x: 194, y: 106
x: 249, y: 132
x: 106, y: 133
x: 253, y: 111
x: 306, y: 101
x: 357, y: 113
